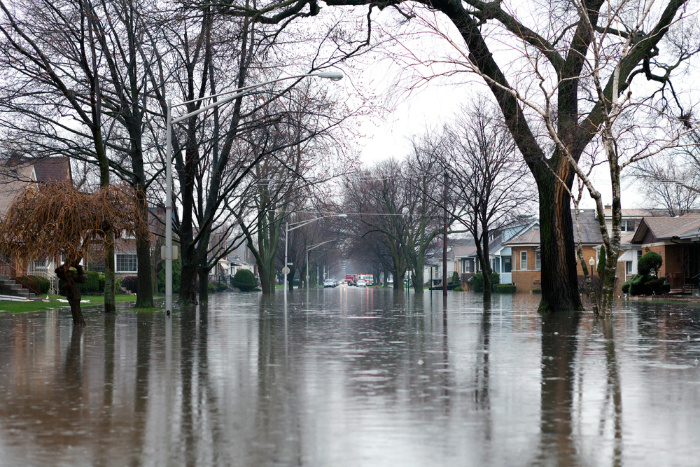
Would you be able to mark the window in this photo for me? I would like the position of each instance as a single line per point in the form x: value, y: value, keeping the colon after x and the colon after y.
x: 126, y: 263
x: 627, y: 226
x: 639, y: 254
x: 507, y: 264
x: 538, y: 261
x: 523, y: 260
x: 628, y: 267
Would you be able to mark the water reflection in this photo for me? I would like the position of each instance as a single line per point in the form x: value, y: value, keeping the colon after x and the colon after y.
x: 352, y: 376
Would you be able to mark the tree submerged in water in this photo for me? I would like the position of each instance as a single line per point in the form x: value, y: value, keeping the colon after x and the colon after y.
x: 56, y: 220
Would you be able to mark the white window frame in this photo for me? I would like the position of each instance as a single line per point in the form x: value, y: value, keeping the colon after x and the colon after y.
x: 538, y: 261
x: 523, y: 255
x: 123, y: 271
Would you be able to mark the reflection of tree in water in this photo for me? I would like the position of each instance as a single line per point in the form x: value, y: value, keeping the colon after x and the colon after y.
x: 73, y: 399
x: 613, y: 391
x: 202, y: 432
x: 481, y: 369
x: 279, y: 405
x: 559, y: 346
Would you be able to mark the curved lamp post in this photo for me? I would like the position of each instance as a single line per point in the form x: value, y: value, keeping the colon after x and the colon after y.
x: 296, y: 225
x: 170, y: 121
x: 307, y: 259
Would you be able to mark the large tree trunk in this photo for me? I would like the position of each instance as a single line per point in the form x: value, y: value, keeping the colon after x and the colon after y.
x: 203, y: 273
x: 486, y: 265
x: 144, y: 291
x: 557, y: 247
x: 110, y: 305
x: 188, y: 277
x: 418, y: 278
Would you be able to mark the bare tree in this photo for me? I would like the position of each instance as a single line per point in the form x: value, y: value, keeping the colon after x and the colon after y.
x: 376, y: 204
x: 488, y: 180
x: 547, y: 79
x: 53, y: 96
x: 670, y: 181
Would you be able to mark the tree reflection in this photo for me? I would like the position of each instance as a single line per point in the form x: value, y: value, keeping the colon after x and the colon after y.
x: 559, y: 346
x: 613, y: 391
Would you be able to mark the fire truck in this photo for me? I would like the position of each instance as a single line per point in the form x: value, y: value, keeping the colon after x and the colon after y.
x: 351, y: 279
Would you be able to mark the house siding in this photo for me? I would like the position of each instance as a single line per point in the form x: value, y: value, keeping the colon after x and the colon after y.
x: 672, y: 265
x: 525, y: 277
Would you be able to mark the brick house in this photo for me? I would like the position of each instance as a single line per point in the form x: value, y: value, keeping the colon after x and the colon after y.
x: 677, y: 240
x: 526, y: 256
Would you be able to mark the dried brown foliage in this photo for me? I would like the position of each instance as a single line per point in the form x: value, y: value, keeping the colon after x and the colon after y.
x: 57, y: 219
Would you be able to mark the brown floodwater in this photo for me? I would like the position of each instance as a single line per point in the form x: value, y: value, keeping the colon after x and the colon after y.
x: 350, y: 376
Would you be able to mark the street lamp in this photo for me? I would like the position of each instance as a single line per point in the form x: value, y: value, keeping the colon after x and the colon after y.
x: 169, y: 122
x: 296, y: 225
x: 307, y: 260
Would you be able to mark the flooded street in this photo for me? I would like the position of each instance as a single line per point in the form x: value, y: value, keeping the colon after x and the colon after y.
x: 350, y: 376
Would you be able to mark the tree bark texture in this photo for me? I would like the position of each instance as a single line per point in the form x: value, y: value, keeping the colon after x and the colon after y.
x: 70, y: 279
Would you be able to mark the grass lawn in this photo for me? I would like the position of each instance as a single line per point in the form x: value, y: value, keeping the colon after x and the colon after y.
x: 53, y: 302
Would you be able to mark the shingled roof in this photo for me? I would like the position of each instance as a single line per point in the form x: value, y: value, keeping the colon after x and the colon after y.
x: 665, y: 228
x: 12, y: 182
x: 590, y: 231
x: 52, y: 169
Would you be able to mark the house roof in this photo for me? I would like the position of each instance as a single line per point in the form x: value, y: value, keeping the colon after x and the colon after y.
x: 52, y: 169
x: 636, y: 213
x: 531, y: 237
x: 664, y: 228
x: 590, y: 231
x: 12, y: 181
x: 463, y: 251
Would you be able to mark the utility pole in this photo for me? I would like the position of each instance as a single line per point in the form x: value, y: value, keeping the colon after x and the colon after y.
x: 444, y: 238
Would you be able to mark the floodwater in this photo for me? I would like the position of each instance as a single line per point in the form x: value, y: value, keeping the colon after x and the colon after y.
x: 347, y: 377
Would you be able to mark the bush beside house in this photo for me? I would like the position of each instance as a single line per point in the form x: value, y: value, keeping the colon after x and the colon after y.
x: 477, y: 281
x: 244, y: 280
x: 34, y: 283
x: 646, y: 282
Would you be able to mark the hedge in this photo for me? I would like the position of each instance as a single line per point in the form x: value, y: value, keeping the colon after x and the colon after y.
x: 477, y: 281
x: 34, y: 283
x: 504, y: 288
x: 216, y: 287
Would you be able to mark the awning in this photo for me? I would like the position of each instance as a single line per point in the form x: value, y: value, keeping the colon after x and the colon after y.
x: 627, y: 255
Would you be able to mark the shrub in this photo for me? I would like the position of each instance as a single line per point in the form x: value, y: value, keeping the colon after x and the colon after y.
x: 649, y: 263
x: 102, y: 283
x: 504, y: 288
x: 648, y: 284
x: 35, y: 284
x: 626, y: 286
x: 244, y: 280
x: 177, y: 270
x: 477, y: 281
x: 93, y: 281
x: 454, y: 281
x: 130, y: 283
x: 458, y: 289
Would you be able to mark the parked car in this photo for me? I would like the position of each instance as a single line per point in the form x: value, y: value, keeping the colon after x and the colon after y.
x: 328, y: 283
x: 362, y: 283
